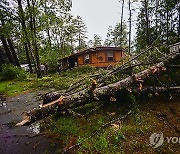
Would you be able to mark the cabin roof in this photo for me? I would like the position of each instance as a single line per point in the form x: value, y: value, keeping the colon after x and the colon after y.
x: 90, y: 50
x: 178, y: 43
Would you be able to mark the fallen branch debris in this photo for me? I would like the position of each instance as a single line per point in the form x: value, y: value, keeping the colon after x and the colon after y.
x: 103, y: 126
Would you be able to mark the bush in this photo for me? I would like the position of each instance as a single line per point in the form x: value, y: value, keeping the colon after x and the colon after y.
x: 10, y: 72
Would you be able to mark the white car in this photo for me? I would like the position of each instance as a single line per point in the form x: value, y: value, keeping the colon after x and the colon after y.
x: 25, y: 67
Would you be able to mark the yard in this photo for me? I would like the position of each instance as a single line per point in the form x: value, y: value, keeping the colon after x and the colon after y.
x: 130, y: 135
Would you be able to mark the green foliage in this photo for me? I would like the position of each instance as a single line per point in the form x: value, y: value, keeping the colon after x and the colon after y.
x: 97, y: 41
x: 50, y: 58
x: 114, y: 37
x: 157, y: 20
x: 10, y: 72
x: 118, y: 137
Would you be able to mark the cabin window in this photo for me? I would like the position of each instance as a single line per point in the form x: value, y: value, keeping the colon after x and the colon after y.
x: 110, y: 56
x: 86, y: 59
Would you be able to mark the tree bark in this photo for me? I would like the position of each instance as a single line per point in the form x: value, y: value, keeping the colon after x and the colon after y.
x: 39, y: 74
x: 122, y: 14
x: 179, y: 22
x: 26, y: 42
x: 28, y: 57
x: 13, y: 52
x: 167, y: 24
x: 33, y: 35
x: 48, y: 31
x: 49, y: 37
x: 130, y: 15
x: 159, y: 90
x: 8, y: 53
x: 147, y: 22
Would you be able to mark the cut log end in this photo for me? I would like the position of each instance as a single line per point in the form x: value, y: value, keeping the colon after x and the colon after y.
x: 26, y: 119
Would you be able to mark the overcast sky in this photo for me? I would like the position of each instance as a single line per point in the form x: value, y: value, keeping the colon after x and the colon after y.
x: 98, y: 15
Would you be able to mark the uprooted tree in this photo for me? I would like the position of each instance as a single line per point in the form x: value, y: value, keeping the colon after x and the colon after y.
x: 98, y: 90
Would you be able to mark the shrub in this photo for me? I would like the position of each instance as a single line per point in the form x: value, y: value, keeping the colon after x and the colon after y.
x: 10, y: 72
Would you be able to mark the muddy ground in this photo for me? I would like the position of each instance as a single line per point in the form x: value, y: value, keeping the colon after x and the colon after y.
x: 25, y: 139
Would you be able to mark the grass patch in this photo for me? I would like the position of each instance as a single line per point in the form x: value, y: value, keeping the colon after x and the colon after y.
x: 13, y: 87
x: 56, y: 81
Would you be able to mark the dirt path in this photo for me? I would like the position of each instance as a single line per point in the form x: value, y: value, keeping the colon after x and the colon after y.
x: 19, y: 139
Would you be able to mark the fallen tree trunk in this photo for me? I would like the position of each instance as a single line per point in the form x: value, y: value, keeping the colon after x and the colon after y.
x: 82, y: 97
x: 35, y: 114
x: 127, y: 82
x: 157, y: 90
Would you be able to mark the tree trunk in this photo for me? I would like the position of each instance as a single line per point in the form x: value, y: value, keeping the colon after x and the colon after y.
x: 13, y: 52
x: 28, y: 57
x: 26, y: 42
x: 48, y: 32
x: 179, y: 22
x: 159, y: 90
x: 8, y: 53
x: 130, y: 26
x: 49, y: 37
x: 147, y: 21
x: 121, y: 30
x: 39, y: 74
x: 80, y: 98
x: 156, y: 16
x: 167, y: 24
x: 33, y: 34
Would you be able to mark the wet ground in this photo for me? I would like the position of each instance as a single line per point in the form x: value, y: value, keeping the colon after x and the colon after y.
x: 23, y: 139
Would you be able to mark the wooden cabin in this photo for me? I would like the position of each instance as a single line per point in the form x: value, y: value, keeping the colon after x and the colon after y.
x: 97, y: 57
x: 175, y: 47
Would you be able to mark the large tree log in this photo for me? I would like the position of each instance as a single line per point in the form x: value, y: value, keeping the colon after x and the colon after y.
x: 127, y: 82
x: 80, y: 97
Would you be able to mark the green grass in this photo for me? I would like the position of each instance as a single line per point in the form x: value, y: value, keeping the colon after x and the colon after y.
x: 52, y: 81
x: 14, y: 87
x: 107, y: 140
x: 132, y: 135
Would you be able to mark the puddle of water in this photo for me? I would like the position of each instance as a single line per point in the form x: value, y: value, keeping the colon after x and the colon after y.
x: 4, y: 105
x: 4, y: 109
x: 35, y: 128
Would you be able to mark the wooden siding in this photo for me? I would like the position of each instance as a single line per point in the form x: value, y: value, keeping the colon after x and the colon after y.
x: 99, y: 59
x: 81, y: 60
